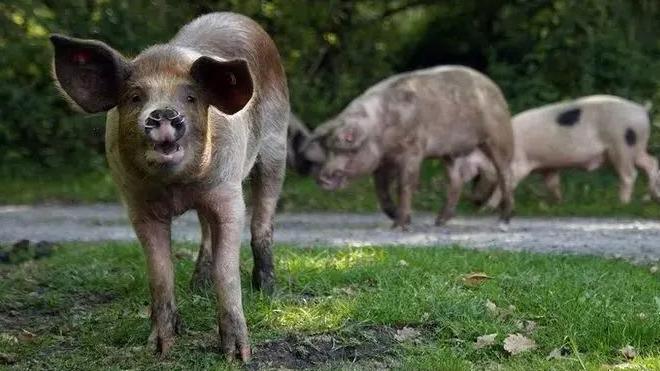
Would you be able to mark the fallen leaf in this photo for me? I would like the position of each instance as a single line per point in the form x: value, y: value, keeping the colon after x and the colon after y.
x: 406, y: 333
x: 485, y: 341
x: 402, y: 263
x: 492, y: 307
x: 500, y: 313
x: 516, y: 344
x: 475, y: 279
x: 26, y: 336
x: 653, y: 269
x: 628, y: 351
x: 558, y: 353
x: 526, y: 326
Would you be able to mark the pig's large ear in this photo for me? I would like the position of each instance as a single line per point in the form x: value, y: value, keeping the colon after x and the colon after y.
x: 89, y: 72
x: 228, y: 84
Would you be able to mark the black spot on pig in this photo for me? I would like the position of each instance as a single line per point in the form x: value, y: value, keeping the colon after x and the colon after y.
x: 570, y: 117
x: 631, y: 137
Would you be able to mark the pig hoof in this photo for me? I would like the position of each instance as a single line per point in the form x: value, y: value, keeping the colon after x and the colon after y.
x: 391, y: 213
x: 441, y: 222
x: 162, y: 336
x: 503, y: 226
x: 403, y: 227
x: 263, y: 281
x: 234, y: 342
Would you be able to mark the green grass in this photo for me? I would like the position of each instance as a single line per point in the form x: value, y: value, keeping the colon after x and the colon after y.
x: 585, y: 194
x: 87, y: 308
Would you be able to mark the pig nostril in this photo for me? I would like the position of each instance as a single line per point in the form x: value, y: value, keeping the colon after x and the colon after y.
x: 177, y: 123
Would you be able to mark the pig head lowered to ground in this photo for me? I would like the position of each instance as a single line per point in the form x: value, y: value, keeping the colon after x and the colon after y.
x: 188, y: 121
x: 583, y: 133
x: 442, y: 112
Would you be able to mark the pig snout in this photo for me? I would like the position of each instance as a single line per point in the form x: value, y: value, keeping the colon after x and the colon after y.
x: 165, y: 126
x: 331, y: 180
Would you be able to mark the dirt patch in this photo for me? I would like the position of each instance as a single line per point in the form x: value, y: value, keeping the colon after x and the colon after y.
x: 34, y: 318
x: 373, y: 347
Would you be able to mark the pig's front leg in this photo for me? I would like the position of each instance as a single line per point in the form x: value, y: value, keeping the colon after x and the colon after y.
x: 408, y: 174
x: 383, y: 178
x: 225, y: 211
x: 154, y: 235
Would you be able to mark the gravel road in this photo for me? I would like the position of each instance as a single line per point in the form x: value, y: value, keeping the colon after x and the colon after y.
x: 633, y: 239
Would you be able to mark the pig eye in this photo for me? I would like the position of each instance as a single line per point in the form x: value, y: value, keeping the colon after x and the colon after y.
x: 190, y: 99
x: 136, y: 98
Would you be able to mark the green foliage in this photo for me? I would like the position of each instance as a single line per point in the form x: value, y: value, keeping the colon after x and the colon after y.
x: 538, y: 51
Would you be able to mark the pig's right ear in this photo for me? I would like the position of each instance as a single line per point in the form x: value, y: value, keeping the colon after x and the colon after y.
x: 228, y: 84
x: 89, y: 72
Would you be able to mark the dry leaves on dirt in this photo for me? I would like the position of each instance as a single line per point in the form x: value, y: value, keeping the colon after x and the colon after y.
x: 516, y: 344
x: 485, y: 341
x: 406, y: 333
x: 628, y: 352
x: 527, y: 327
x: 500, y: 313
x: 475, y: 279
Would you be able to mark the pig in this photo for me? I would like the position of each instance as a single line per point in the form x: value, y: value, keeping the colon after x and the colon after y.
x: 584, y: 133
x: 187, y: 122
x: 444, y: 112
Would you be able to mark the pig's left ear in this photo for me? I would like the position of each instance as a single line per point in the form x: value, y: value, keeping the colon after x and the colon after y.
x: 228, y: 84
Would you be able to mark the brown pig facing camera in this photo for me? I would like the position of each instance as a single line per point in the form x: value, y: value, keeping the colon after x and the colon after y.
x: 187, y: 122
x: 444, y: 112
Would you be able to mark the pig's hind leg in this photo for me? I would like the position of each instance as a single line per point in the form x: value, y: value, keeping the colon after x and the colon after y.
x: 623, y: 162
x: 203, y: 275
x: 649, y: 164
x: 448, y: 210
x: 267, y: 178
x: 502, y: 162
x: 552, y: 181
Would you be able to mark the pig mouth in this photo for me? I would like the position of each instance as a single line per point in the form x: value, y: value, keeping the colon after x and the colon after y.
x: 165, y: 153
x: 332, y: 183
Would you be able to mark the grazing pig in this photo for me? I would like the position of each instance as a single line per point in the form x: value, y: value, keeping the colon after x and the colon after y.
x: 584, y: 133
x: 443, y: 112
x: 187, y: 122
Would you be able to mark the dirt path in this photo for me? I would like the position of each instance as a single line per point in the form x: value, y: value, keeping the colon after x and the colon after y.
x: 636, y: 240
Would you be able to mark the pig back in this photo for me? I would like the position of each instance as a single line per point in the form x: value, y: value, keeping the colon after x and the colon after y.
x: 458, y: 108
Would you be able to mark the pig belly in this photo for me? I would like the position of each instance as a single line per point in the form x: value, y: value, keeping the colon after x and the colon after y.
x: 583, y: 160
